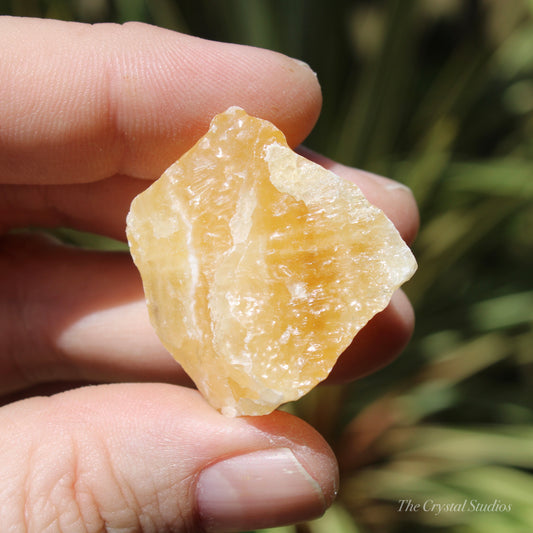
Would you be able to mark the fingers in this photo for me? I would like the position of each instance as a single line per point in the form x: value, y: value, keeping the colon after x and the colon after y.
x: 74, y: 315
x: 156, y: 457
x: 98, y: 207
x: 83, y: 102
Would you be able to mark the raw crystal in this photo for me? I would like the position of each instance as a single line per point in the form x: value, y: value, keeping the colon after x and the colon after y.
x: 259, y: 267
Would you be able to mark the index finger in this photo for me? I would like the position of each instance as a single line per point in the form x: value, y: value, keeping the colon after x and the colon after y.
x: 80, y: 102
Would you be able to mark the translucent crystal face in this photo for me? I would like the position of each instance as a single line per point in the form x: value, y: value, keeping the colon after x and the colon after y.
x: 259, y: 267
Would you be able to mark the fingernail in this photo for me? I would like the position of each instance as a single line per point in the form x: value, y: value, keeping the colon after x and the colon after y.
x: 397, y: 186
x: 387, y: 183
x: 301, y: 63
x: 262, y: 489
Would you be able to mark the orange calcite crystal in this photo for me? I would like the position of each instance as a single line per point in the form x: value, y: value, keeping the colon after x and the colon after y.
x: 259, y: 267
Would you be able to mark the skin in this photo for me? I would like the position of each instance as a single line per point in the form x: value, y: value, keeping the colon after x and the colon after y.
x: 90, y: 115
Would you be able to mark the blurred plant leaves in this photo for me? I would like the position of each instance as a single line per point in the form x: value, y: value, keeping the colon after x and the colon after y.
x: 503, y: 312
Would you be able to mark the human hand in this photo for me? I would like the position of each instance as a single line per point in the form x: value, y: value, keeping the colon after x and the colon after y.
x: 89, y: 115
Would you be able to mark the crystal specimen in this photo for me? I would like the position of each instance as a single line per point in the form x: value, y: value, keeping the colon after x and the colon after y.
x: 258, y: 265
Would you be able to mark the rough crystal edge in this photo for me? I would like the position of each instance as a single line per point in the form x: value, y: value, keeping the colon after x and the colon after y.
x: 232, y: 410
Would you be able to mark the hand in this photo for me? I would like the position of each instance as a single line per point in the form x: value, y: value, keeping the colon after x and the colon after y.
x: 90, y: 114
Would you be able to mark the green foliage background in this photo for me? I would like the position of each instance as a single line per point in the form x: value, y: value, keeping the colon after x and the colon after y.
x: 439, y: 95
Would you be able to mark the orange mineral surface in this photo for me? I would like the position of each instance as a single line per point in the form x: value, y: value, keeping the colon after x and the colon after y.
x: 259, y: 267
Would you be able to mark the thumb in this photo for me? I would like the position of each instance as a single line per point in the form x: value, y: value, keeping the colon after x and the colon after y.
x: 151, y: 457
